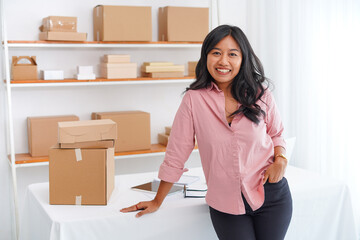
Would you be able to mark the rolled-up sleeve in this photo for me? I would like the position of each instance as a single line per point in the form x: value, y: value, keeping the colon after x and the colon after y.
x: 181, y: 143
x: 274, y: 124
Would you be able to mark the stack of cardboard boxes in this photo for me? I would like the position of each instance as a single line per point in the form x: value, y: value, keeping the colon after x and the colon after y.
x: 118, y: 66
x: 81, y: 165
x: 58, y: 28
x: 162, y: 69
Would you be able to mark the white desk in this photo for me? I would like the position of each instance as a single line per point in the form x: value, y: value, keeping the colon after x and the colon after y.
x: 322, y: 210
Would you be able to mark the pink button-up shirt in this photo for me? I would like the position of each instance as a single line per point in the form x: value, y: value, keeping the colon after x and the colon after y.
x: 234, y: 158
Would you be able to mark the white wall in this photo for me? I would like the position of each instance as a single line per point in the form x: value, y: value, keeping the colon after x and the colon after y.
x: 23, y: 19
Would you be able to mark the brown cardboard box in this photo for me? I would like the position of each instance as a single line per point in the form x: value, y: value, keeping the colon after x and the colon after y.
x: 63, y: 36
x: 163, y: 139
x: 167, y: 130
x: 122, y: 23
x: 183, y: 24
x: 86, y: 131
x: 191, y: 68
x: 91, y: 144
x: 172, y: 68
x: 118, y: 70
x: 43, y: 133
x: 81, y: 176
x: 163, y: 74
x: 59, y: 24
x: 24, y: 68
x: 121, y: 58
x: 133, y: 129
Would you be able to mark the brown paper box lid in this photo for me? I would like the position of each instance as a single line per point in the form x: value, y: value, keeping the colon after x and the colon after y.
x: 84, y: 131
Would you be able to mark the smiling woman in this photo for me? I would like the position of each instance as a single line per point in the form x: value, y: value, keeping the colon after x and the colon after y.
x: 224, y: 61
x: 233, y: 115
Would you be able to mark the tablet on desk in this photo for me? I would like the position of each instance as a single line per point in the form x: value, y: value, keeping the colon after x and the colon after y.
x: 152, y: 187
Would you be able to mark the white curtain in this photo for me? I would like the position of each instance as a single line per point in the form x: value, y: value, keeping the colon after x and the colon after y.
x: 311, y: 51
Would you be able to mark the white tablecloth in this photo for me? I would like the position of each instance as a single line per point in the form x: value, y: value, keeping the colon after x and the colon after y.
x: 322, y: 210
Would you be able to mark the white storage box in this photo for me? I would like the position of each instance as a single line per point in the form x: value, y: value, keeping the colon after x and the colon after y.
x: 52, y: 74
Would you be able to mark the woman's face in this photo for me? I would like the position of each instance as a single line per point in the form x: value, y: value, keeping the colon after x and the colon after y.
x: 223, y: 61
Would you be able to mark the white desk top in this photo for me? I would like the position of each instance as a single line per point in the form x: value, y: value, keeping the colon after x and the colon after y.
x: 322, y: 210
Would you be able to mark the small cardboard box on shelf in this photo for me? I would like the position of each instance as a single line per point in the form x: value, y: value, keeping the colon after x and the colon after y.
x: 62, y: 36
x: 133, y: 129
x: 86, y: 131
x: 163, y: 139
x: 122, y: 23
x: 167, y: 130
x: 118, y: 58
x: 192, y: 67
x: 81, y: 176
x: 43, y: 133
x: 59, y: 24
x: 118, y: 70
x: 24, y: 68
x: 187, y: 24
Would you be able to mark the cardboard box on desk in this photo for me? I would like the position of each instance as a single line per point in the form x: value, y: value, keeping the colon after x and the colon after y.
x: 122, y: 23
x: 183, y: 24
x: 133, y: 129
x: 86, y: 131
x: 24, y: 68
x: 59, y: 24
x: 81, y: 176
x: 43, y: 133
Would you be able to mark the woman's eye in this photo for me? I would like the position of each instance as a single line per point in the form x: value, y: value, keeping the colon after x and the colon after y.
x: 233, y: 54
x: 216, y: 53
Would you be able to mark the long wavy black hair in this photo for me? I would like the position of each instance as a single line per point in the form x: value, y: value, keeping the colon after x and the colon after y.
x: 248, y: 86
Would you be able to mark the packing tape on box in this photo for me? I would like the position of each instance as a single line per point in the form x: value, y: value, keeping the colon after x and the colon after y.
x: 78, y: 154
x: 78, y: 200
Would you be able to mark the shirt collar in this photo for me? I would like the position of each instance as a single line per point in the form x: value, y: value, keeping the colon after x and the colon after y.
x: 213, y: 86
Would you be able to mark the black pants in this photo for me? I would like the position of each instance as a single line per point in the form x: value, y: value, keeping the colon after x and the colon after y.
x: 269, y: 222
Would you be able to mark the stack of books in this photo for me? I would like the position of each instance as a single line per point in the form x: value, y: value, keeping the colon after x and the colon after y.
x: 118, y: 66
x: 162, y: 70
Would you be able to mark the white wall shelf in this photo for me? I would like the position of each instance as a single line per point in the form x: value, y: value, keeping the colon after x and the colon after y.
x: 100, y: 82
x: 25, y: 160
x: 55, y: 44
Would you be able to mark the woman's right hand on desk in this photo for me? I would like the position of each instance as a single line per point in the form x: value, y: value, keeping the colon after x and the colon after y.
x: 151, y: 206
x: 146, y: 207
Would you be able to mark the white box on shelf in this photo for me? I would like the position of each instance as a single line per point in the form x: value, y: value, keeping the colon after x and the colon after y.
x: 85, y: 76
x: 85, y: 70
x: 52, y: 74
